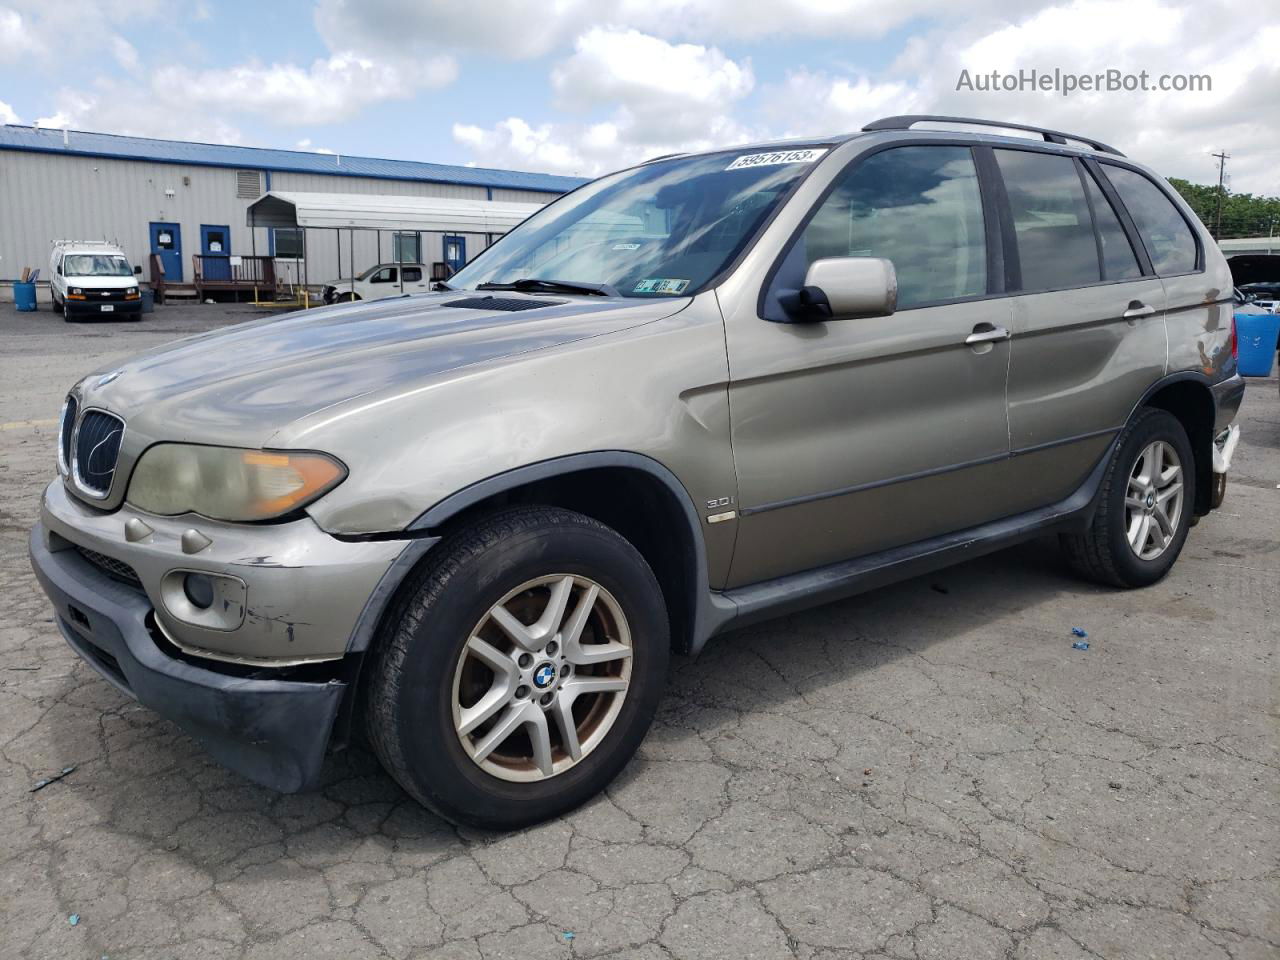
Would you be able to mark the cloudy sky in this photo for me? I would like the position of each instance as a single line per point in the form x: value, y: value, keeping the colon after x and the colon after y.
x: 584, y: 86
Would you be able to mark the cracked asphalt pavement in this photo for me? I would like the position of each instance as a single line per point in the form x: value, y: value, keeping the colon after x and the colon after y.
x: 929, y: 771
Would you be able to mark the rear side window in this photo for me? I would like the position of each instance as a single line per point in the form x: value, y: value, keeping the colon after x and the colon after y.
x: 412, y: 274
x: 919, y: 207
x: 1056, y: 245
x: 1164, y: 231
x: 1118, y: 259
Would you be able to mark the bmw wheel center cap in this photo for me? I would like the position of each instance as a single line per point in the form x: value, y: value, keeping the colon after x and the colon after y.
x: 544, y: 676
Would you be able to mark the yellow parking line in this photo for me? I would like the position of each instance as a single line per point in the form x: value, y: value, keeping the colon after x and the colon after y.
x: 26, y: 424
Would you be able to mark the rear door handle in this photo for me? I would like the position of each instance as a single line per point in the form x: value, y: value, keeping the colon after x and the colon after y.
x: 986, y: 333
x: 1138, y: 309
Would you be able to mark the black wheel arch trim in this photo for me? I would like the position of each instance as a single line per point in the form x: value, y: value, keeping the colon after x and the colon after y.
x: 707, y: 609
x: 1220, y: 394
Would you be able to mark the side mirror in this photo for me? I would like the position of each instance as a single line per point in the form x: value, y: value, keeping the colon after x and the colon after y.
x: 137, y: 271
x: 844, y: 288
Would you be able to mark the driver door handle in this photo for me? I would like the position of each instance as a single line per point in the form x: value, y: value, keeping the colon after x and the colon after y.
x: 1138, y: 309
x: 986, y: 333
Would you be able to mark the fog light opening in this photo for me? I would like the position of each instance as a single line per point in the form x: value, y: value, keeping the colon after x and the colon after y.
x: 199, y: 590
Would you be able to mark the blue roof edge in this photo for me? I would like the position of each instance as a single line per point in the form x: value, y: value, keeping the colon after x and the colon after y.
x: 25, y: 140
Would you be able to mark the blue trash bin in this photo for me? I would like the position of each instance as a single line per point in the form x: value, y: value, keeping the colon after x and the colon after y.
x: 1256, y: 334
x: 24, y: 296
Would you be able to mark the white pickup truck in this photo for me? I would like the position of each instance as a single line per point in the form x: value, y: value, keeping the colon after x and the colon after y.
x: 382, y: 280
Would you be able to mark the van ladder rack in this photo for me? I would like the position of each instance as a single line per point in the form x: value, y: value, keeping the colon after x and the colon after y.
x: 1050, y: 136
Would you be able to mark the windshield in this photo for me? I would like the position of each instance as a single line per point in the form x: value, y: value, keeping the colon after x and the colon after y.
x: 663, y: 229
x: 96, y: 265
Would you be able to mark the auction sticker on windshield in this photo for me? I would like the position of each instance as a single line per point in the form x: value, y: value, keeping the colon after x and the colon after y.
x: 777, y: 156
x: 658, y: 285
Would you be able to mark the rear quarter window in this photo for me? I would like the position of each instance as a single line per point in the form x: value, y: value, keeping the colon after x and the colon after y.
x: 1168, y: 237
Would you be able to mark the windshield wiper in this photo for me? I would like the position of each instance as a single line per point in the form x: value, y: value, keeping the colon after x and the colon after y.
x: 564, y: 286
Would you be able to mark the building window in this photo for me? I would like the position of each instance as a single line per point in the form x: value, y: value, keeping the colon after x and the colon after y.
x: 288, y: 243
x: 406, y: 248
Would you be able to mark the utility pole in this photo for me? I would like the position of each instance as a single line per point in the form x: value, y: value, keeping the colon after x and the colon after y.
x: 1223, y: 157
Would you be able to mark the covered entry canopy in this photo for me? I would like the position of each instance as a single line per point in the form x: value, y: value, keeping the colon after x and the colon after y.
x: 365, y: 212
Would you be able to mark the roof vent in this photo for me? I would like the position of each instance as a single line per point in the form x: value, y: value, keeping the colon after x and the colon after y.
x: 248, y: 184
x: 510, y: 304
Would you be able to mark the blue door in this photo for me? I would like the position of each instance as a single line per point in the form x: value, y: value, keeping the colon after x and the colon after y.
x: 455, y: 253
x: 215, y: 250
x: 166, y: 240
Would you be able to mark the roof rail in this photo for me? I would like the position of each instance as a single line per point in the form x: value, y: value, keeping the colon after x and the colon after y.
x: 1050, y: 136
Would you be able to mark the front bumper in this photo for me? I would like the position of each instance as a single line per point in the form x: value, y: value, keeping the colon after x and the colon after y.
x: 271, y: 731
x: 88, y: 308
x: 261, y: 697
x: 303, y: 591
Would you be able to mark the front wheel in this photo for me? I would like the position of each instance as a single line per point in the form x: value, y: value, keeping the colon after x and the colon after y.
x: 521, y: 669
x: 1144, y: 507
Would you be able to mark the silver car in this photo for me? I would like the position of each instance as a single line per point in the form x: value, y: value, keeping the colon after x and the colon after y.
x: 690, y: 395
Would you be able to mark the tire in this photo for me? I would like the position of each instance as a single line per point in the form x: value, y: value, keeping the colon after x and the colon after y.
x: 423, y: 676
x: 1104, y: 552
x: 347, y: 297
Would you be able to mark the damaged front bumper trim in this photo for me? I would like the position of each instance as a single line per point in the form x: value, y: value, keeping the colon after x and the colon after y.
x: 272, y: 731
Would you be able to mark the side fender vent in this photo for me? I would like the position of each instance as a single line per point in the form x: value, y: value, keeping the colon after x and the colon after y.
x: 510, y: 304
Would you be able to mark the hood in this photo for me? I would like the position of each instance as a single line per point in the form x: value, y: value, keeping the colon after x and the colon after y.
x: 102, y: 283
x: 242, y: 385
x: 1254, y: 268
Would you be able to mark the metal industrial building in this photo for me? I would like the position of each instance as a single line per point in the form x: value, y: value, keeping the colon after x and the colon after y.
x: 185, y: 201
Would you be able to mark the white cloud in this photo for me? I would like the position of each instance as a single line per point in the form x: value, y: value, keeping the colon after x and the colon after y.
x: 520, y: 29
x: 305, y: 144
x: 664, y: 97
x: 669, y: 91
x: 7, y: 114
x: 330, y: 90
x: 115, y: 111
x: 162, y: 95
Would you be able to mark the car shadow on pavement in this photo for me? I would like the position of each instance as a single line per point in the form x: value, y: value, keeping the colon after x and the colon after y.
x: 157, y: 783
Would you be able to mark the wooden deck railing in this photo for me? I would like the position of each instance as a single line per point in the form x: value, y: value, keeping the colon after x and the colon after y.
x: 233, y: 273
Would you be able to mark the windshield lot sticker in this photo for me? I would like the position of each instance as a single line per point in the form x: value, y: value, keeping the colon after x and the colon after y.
x: 776, y: 157
x: 626, y: 246
x: 658, y: 285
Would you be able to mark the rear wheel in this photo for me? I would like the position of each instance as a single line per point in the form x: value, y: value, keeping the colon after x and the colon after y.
x: 521, y: 670
x: 1144, y: 507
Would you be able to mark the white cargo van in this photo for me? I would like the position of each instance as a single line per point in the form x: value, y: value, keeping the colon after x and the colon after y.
x: 93, y: 277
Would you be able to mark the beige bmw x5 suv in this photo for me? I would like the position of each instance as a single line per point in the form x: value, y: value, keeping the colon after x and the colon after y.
x: 472, y: 523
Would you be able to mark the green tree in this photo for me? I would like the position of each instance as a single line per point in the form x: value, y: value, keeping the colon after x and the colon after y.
x: 1243, y: 214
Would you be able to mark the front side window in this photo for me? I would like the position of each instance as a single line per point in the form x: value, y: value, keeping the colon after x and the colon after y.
x: 919, y: 207
x: 658, y: 230
x: 1165, y: 233
x: 1051, y: 221
x: 385, y: 275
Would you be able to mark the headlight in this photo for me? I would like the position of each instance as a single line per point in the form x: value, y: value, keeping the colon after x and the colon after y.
x: 224, y: 483
x: 76, y: 292
x: 131, y: 292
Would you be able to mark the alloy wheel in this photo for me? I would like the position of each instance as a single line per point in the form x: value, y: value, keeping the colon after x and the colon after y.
x: 542, y: 678
x: 1154, y: 500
